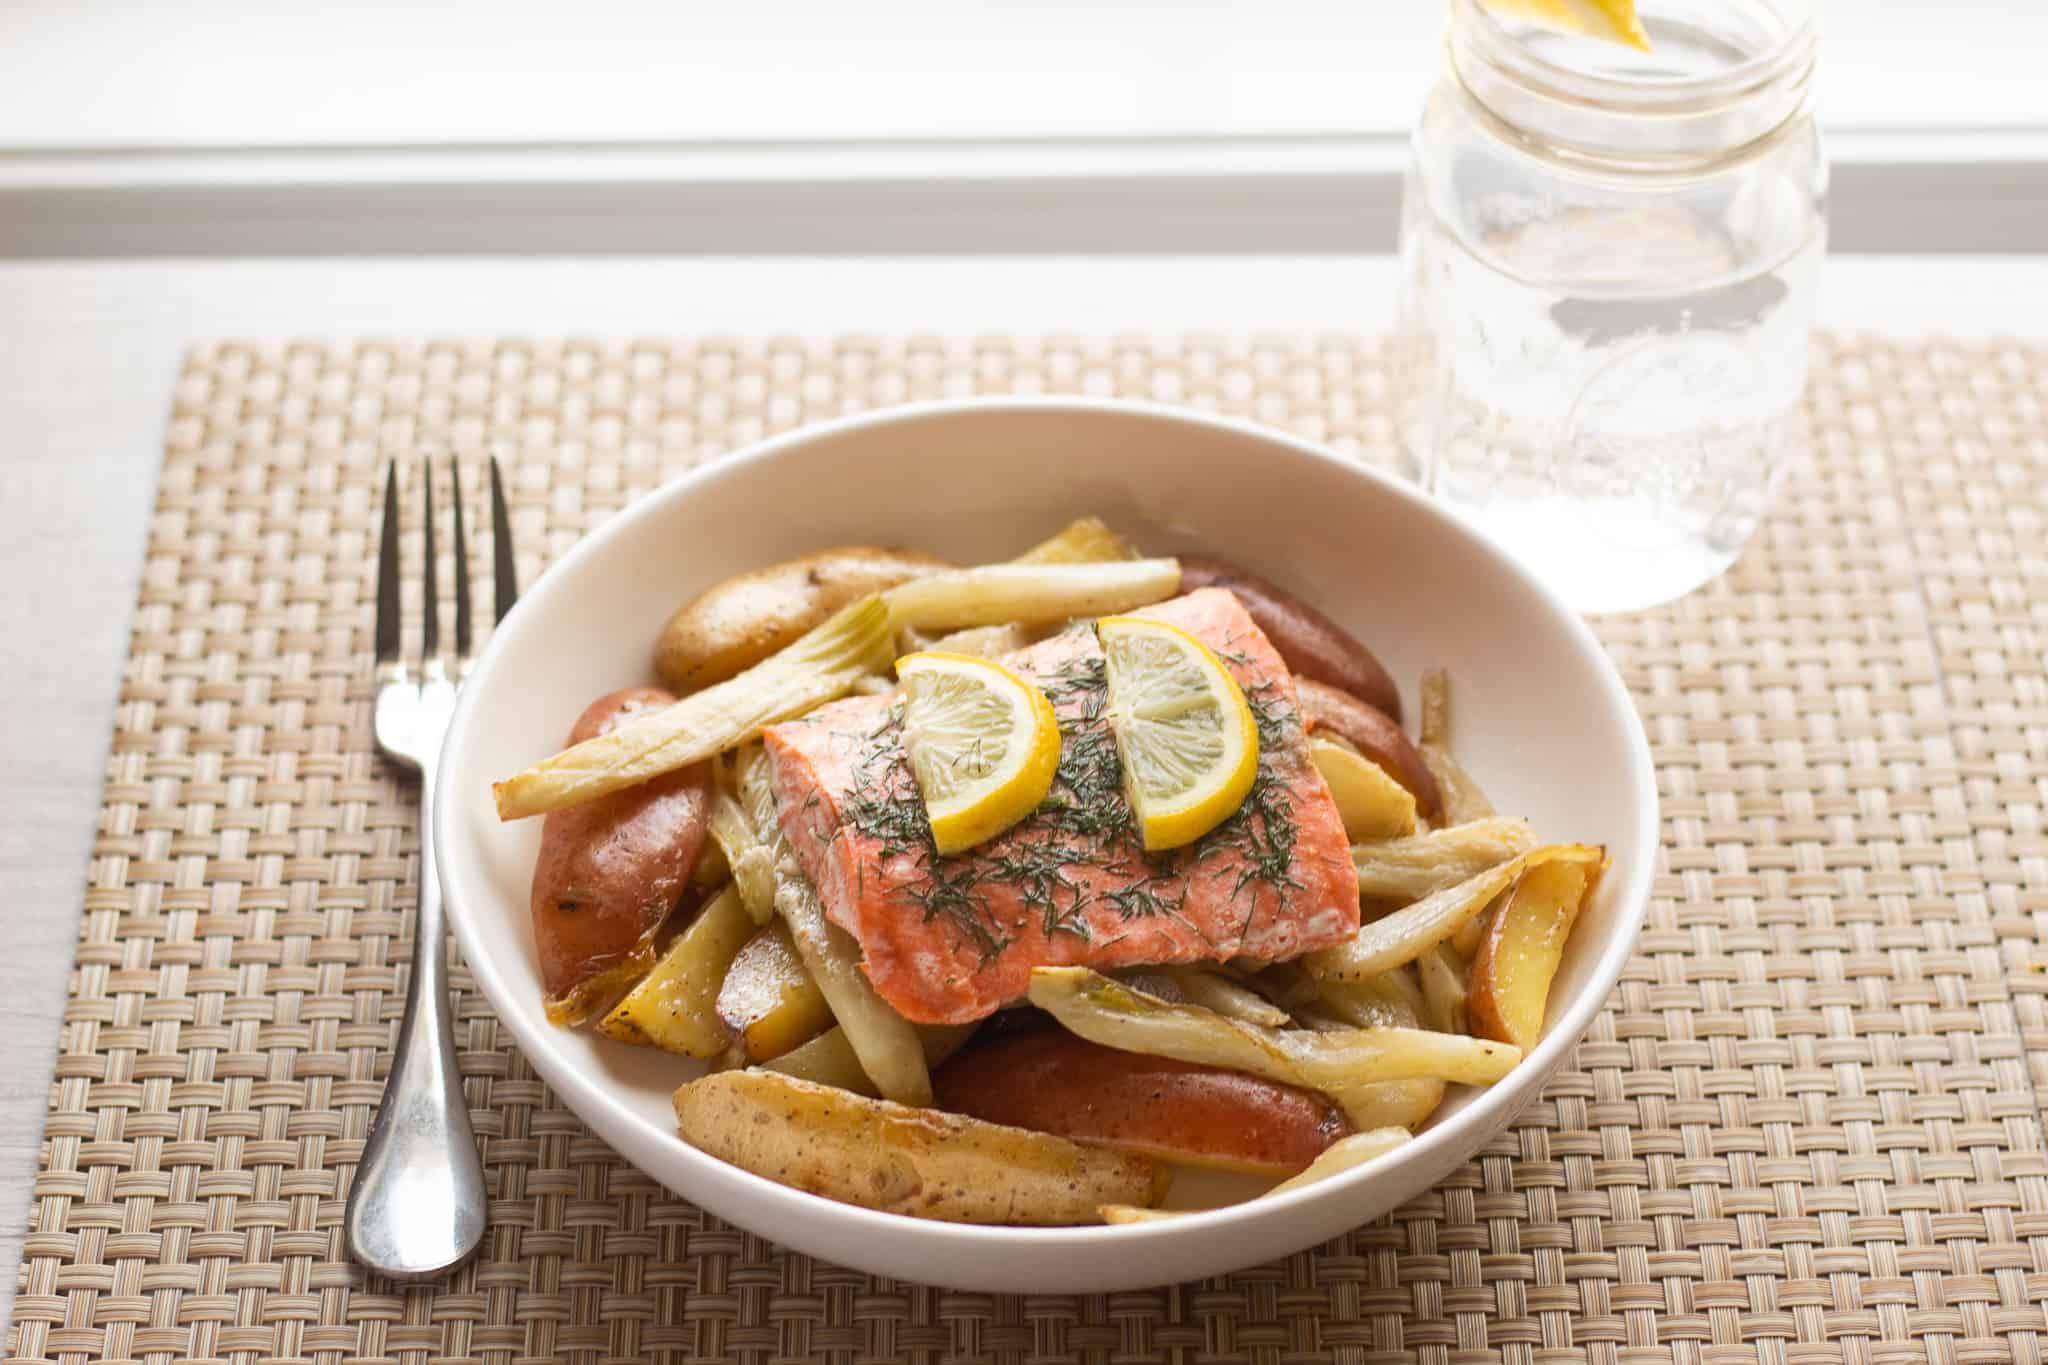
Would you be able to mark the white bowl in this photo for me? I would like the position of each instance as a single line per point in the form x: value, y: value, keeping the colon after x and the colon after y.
x: 1542, y: 721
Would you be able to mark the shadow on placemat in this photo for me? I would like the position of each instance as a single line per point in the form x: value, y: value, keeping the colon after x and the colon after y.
x: 1805, y: 1126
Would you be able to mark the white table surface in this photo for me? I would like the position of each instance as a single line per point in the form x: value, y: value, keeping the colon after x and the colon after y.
x: 88, y: 353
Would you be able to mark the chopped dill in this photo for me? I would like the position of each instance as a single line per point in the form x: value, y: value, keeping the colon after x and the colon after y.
x: 1141, y: 899
x: 1084, y: 823
x: 1039, y: 874
x: 1261, y: 831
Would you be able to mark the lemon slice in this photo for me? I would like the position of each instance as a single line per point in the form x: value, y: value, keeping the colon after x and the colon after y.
x: 983, y: 743
x: 1183, y: 730
x: 1612, y: 20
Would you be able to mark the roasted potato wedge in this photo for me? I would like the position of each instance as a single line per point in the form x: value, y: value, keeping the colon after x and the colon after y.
x: 675, y: 1007
x: 712, y: 871
x: 1050, y: 1081
x: 1086, y: 540
x: 734, y: 625
x: 1313, y: 645
x: 1372, y: 805
x: 829, y: 1058
x: 1332, y: 710
x: 1517, y: 959
x: 610, y: 871
x: 898, y: 1159
x: 1123, y: 1215
x: 1407, y: 934
x: 768, y: 1000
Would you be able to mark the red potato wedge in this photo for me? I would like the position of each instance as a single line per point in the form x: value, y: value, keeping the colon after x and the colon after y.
x: 1511, y: 975
x: 610, y: 872
x: 768, y: 1000
x: 1050, y: 1081
x: 1313, y: 645
x: 1373, y: 733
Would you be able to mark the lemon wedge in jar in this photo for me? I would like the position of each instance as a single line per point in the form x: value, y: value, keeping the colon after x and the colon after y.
x: 983, y: 744
x: 1612, y: 20
x: 1184, y: 731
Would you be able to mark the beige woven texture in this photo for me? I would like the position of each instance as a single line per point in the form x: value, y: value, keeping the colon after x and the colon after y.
x: 1804, y: 1130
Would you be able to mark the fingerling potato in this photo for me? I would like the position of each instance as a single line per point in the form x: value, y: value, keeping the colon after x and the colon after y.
x: 611, y: 870
x: 1373, y: 733
x: 735, y: 624
x: 768, y: 1001
x: 1051, y: 1081
x: 1312, y: 644
x: 891, y: 1157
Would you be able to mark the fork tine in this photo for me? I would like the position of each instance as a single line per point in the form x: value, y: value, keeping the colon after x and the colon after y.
x: 389, y: 642
x: 430, y: 626
x: 504, y: 576
x: 461, y: 567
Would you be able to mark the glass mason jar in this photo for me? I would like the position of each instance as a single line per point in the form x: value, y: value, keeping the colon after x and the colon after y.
x: 1609, y: 261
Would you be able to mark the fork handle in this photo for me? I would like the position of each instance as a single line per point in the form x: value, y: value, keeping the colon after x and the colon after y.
x: 418, y: 1203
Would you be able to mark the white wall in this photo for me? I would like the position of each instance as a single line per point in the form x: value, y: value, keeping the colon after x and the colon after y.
x: 508, y: 126
x: 136, y: 73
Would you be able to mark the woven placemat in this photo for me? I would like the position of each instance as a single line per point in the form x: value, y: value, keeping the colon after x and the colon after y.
x: 1805, y: 1128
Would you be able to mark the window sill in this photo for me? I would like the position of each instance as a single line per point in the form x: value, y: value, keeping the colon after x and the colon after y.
x: 1892, y: 191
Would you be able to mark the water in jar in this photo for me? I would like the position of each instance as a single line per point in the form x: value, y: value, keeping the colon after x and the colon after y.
x: 1605, y: 379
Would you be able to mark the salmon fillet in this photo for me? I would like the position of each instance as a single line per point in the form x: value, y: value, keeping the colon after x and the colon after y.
x: 951, y: 939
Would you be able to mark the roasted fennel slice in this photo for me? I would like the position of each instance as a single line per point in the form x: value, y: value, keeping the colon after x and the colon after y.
x: 820, y: 666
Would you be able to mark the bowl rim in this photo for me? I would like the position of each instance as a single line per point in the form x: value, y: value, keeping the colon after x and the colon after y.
x: 1447, y: 1142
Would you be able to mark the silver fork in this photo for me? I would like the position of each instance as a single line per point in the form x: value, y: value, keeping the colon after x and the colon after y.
x: 417, y: 1206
